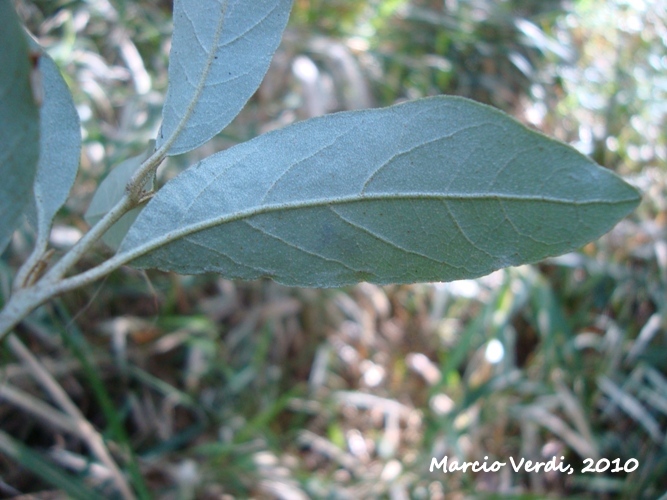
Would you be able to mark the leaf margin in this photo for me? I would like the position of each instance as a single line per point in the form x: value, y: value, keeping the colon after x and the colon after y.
x: 175, y: 132
x: 141, y: 255
x: 19, y: 165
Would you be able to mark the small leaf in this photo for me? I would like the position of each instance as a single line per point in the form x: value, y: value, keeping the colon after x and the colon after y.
x: 221, y: 50
x: 110, y: 191
x: 19, y: 124
x: 59, y: 145
x: 432, y: 190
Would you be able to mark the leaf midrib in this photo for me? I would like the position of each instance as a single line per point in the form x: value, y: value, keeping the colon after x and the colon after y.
x: 201, y: 84
x: 189, y: 229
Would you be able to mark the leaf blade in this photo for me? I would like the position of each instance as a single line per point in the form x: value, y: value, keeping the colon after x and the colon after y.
x: 19, y: 124
x: 221, y: 50
x: 59, y: 146
x: 432, y: 190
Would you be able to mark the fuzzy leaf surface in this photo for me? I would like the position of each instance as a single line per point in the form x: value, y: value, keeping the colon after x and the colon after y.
x: 431, y: 190
x: 59, y: 145
x: 221, y: 50
x: 19, y: 124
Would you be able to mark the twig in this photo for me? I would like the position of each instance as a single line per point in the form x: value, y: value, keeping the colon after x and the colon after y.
x: 86, y: 430
x: 38, y: 408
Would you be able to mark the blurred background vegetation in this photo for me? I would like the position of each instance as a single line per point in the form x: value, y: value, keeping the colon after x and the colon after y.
x: 206, y: 388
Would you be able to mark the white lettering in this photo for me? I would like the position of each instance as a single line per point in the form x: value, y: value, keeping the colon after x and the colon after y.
x: 516, y: 466
x: 442, y: 464
x: 454, y: 466
x: 496, y: 466
x: 551, y: 465
x: 446, y: 465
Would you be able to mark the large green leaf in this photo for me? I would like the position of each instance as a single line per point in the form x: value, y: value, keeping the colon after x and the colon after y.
x: 436, y: 189
x: 59, y: 145
x: 19, y: 123
x: 220, y: 52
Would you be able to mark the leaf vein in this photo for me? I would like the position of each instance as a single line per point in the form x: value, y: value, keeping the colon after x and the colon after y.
x: 384, y: 240
x: 296, y: 247
x: 463, y: 233
x: 201, y: 84
x: 227, y: 256
x: 313, y: 154
x: 251, y: 28
x: 415, y: 148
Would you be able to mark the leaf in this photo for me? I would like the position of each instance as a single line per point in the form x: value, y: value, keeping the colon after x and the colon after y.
x: 221, y: 50
x: 19, y: 124
x: 59, y: 145
x: 110, y: 191
x: 432, y: 190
